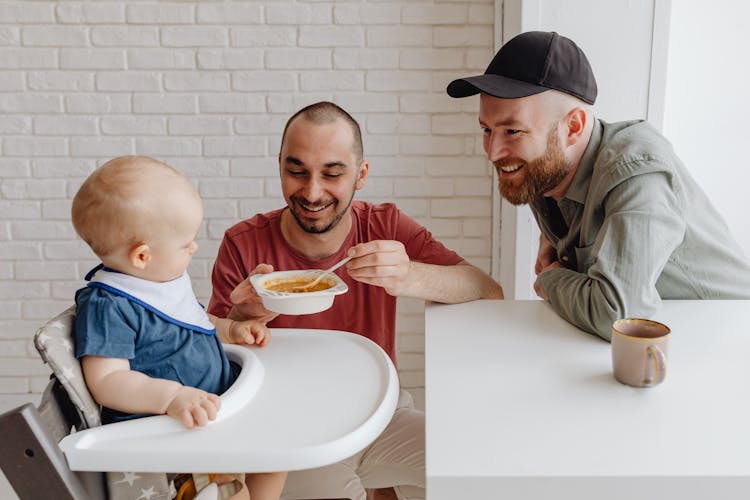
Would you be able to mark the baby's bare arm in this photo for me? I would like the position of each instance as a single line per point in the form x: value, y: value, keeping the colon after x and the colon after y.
x: 241, y: 332
x: 113, y: 384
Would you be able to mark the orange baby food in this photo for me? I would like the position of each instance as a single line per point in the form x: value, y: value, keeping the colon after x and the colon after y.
x: 290, y: 285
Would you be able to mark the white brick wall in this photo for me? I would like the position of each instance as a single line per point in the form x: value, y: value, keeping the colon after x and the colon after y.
x: 207, y: 87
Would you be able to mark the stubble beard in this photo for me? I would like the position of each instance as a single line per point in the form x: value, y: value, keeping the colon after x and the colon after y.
x: 541, y: 174
x: 312, y: 229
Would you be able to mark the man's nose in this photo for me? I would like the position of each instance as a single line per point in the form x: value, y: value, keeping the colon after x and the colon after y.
x: 496, y: 148
x: 313, y: 190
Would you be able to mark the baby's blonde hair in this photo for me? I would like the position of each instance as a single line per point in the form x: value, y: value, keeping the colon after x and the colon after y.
x: 113, y: 207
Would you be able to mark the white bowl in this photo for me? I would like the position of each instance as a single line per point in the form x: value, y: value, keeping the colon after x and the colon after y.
x: 297, y: 302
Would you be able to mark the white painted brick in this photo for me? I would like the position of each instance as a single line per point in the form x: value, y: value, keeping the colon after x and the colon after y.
x: 97, y: 104
x: 229, y: 13
x: 20, y: 250
x: 477, y: 227
x: 410, y: 379
x: 456, y: 123
x: 11, y: 124
x: 431, y: 59
x: 469, y: 247
x: 30, y: 103
x: 230, y: 59
x: 62, y: 167
x: 43, y: 309
x: 478, y: 59
x: 250, y: 207
x: 429, y: 103
x: 377, y: 187
x: 418, y: 13
x: 288, y: 103
x: 424, y: 187
x: 390, y: 166
x: 4, y: 231
x: 273, y: 186
x: 231, y: 146
x: 20, y: 209
x: 27, y: 58
x: 11, y: 81
x: 481, y: 14
x: 398, y: 123
x: 332, y: 80
x: 91, y: 13
x: 92, y: 59
x: 474, y: 166
x: 37, y: 384
x: 399, y: 36
x: 196, y: 81
x: 444, y: 228
x: 14, y: 167
x: 66, y: 250
x: 125, y: 36
x: 12, y: 385
x: 164, y: 103
x: 21, y: 367
x: 383, y: 144
x: 483, y: 263
x: 55, y: 36
x: 160, y: 13
x: 397, y: 81
x: 366, y: 58
x: 43, y: 271
x: 195, y: 36
x: 32, y: 189
x: 42, y: 230
x: 263, y: 36
x: 201, y: 167
x: 461, y: 207
x: 475, y: 186
x: 231, y: 188
x: 199, y: 125
x: 6, y: 270
x: 66, y: 290
x: 10, y: 35
x: 56, y: 209
x: 130, y: 81
x: 298, y: 13
x: 27, y: 12
x: 264, y: 81
x: 133, y: 125
x: 102, y: 147
x: 364, y: 102
x: 331, y: 36
x: 11, y: 401
x: 411, y: 361
x: 367, y: 14
x: 65, y: 125
x: 13, y: 348
x: 414, y: 207
x: 429, y: 145
x: 220, y: 209
x: 161, y: 59
x: 168, y: 146
x: 298, y: 59
x: 252, y: 167
x: 464, y: 36
x: 232, y: 103
x: 34, y: 146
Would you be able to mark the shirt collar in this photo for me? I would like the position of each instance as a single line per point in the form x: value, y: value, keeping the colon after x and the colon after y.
x: 579, y: 188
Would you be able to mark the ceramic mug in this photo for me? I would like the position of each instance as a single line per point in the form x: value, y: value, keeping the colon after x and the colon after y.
x: 639, y: 351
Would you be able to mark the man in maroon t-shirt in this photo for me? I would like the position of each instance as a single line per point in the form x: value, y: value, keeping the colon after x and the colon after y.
x: 321, y: 166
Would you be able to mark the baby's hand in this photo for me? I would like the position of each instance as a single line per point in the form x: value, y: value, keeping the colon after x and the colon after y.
x: 193, y: 406
x: 249, y: 332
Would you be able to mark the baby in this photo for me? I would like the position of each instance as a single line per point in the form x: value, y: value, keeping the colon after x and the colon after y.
x: 145, y: 343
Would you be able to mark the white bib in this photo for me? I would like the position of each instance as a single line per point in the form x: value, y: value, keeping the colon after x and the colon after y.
x: 173, y: 301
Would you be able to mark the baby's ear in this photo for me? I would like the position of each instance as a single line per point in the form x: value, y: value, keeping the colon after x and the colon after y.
x: 140, y: 256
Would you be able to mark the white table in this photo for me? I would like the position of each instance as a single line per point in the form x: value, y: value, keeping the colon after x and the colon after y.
x: 307, y: 399
x: 521, y: 405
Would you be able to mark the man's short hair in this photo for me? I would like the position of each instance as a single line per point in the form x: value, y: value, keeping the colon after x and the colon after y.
x: 327, y: 112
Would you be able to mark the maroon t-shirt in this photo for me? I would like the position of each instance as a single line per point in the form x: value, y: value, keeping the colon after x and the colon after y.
x: 365, y: 309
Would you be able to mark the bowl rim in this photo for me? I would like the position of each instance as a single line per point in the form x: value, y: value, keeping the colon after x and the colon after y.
x: 257, y: 281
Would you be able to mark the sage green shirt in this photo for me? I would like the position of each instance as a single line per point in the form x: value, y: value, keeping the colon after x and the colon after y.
x: 634, y: 228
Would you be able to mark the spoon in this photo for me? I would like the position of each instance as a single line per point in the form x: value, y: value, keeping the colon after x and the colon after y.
x: 322, y: 275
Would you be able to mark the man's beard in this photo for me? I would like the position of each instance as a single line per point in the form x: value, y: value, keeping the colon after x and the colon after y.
x: 312, y: 228
x: 541, y: 174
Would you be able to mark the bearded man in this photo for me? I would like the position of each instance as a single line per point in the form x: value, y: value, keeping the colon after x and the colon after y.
x: 623, y: 224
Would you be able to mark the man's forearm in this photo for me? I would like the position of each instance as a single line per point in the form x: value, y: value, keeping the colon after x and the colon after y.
x: 450, y: 284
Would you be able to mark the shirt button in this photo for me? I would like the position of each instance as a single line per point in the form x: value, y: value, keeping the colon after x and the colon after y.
x: 565, y: 258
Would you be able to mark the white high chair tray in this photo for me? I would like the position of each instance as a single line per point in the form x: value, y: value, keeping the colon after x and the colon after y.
x: 307, y: 399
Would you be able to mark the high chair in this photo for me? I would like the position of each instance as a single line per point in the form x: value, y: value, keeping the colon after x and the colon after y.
x: 59, y: 450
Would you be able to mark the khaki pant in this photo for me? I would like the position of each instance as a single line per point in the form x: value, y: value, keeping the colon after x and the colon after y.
x: 396, y: 457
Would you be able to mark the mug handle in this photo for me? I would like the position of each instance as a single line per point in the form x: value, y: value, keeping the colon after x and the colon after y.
x: 660, y: 366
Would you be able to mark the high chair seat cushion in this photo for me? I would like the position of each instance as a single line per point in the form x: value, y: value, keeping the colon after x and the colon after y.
x: 55, y: 343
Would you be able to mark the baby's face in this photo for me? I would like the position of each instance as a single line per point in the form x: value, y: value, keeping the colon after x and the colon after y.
x: 173, y: 245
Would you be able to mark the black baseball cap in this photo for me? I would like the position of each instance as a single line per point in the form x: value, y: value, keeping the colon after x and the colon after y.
x: 529, y: 64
